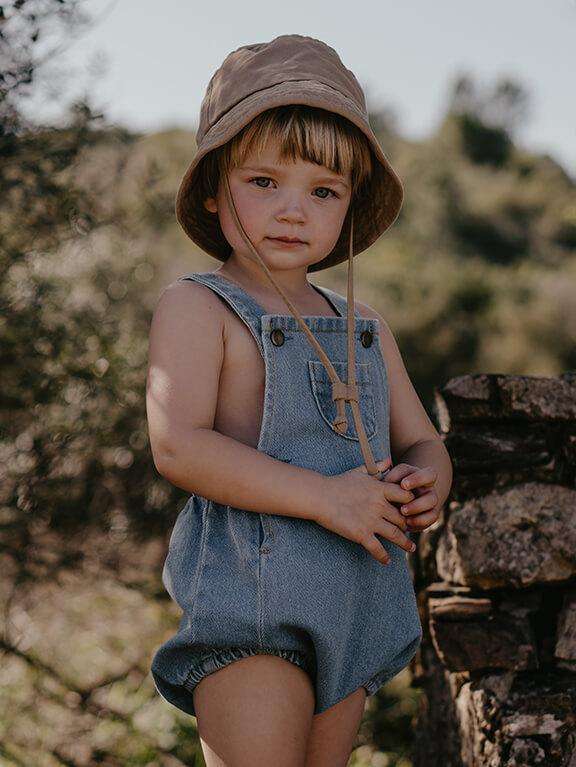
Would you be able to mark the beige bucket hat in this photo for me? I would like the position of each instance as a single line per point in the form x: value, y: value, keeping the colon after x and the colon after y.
x: 293, y: 69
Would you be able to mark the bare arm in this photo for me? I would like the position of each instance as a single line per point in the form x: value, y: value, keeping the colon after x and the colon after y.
x: 413, y: 437
x: 185, y: 358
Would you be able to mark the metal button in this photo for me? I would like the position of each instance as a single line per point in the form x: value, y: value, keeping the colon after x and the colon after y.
x: 277, y: 337
x: 366, y: 338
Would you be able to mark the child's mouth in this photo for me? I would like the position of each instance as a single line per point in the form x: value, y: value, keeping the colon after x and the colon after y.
x: 287, y: 243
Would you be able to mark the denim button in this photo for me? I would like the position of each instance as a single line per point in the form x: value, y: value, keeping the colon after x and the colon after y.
x: 366, y: 338
x: 277, y: 337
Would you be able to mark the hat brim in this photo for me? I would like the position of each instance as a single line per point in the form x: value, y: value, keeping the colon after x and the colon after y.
x: 379, y: 208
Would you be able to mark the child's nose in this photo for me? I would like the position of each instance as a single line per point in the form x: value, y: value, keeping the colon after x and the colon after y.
x: 291, y: 211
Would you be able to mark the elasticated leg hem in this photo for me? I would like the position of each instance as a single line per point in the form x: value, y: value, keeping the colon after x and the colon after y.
x: 212, y: 659
x: 384, y: 675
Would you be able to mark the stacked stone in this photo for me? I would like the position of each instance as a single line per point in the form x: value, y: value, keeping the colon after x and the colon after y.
x: 496, y: 579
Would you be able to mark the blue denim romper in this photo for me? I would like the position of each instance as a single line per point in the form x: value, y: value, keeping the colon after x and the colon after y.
x: 251, y: 583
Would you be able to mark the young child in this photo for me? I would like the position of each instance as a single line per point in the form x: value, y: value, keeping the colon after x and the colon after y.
x: 289, y: 558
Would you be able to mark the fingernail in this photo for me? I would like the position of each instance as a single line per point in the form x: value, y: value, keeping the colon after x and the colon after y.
x: 404, y: 509
x: 413, y: 547
x: 405, y: 485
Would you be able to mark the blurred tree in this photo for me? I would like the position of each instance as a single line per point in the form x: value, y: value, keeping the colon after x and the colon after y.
x: 73, y: 336
x: 78, y: 490
x: 487, y: 120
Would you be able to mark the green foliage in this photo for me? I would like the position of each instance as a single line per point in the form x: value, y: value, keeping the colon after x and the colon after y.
x: 483, y: 144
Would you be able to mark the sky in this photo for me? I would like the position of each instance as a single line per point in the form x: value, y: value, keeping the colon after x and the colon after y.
x: 156, y: 58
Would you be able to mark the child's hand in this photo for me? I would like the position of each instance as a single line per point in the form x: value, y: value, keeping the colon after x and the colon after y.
x: 422, y: 511
x: 358, y: 506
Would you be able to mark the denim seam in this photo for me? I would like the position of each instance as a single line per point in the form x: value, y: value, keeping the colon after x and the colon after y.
x: 268, y: 410
x: 315, y: 330
x: 259, y: 606
x: 268, y: 418
x: 177, y: 523
x: 386, y: 387
x: 198, y: 573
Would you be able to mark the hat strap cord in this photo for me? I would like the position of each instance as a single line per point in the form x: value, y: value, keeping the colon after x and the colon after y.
x: 341, y: 392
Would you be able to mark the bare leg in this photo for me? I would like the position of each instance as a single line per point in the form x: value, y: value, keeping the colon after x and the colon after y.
x: 255, y: 711
x: 334, y: 732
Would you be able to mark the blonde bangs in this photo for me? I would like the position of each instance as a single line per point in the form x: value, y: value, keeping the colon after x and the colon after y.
x: 307, y: 133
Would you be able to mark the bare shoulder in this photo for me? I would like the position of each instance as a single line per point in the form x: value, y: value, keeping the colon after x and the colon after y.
x: 187, y: 301
x: 185, y: 357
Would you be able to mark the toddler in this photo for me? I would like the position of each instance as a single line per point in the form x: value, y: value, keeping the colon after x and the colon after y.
x: 289, y: 560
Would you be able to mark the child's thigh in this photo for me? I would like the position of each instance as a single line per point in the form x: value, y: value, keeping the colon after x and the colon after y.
x: 255, y: 710
x: 333, y: 732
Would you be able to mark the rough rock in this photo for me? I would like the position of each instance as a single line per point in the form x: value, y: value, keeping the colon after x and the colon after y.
x: 515, y: 538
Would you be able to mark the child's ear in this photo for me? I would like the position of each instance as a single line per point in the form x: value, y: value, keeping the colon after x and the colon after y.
x: 211, y: 205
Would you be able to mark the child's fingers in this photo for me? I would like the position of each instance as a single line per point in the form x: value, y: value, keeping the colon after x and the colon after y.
x: 399, y: 471
x: 393, y: 493
x: 424, y: 477
x: 418, y: 505
x: 421, y: 521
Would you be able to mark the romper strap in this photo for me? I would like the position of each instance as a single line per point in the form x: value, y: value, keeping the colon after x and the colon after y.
x: 339, y: 301
x: 247, y: 308
x: 236, y: 297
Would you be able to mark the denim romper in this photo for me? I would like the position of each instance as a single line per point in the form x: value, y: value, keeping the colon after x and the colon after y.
x: 251, y: 583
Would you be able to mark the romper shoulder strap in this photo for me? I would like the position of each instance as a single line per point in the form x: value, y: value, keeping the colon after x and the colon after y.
x: 339, y: 301
x: 247, y: 308
x: 236, y: 297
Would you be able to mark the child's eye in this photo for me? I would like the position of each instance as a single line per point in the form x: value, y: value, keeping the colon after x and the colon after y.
x: 267, y: 178
x: 332, y: 192
x: 261, y: 178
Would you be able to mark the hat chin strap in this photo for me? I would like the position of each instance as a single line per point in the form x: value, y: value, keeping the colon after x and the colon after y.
x: 341, y: 391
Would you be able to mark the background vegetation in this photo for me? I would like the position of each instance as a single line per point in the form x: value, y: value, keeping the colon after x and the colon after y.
x: 477, y: 274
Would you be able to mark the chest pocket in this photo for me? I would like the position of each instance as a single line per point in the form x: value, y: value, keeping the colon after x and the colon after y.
x: 322, y: 393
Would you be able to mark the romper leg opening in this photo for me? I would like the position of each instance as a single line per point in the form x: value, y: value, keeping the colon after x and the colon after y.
x: 390, y: 670
x: 207, y: 659
x: 216, y: 658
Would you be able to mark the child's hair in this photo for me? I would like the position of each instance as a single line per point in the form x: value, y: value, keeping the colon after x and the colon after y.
x: 309, y: 133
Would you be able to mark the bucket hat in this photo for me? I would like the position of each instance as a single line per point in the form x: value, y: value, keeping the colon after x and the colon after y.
x: 293, y: 69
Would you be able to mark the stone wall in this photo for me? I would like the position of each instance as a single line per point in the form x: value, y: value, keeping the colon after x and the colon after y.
x: 496, y: 579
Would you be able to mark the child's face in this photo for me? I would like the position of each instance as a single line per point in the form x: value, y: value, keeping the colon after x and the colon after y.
x: 274, y: 199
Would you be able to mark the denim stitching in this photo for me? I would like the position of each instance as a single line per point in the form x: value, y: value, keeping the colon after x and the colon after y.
x: 217, y: 658
x: 318, y: 324
x: 270, y: 409
x: 385, y: 387
x: 200, y: 567
x: 259, y: 600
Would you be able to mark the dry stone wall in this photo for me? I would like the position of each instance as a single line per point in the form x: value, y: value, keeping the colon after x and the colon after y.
x: 496, y: 579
